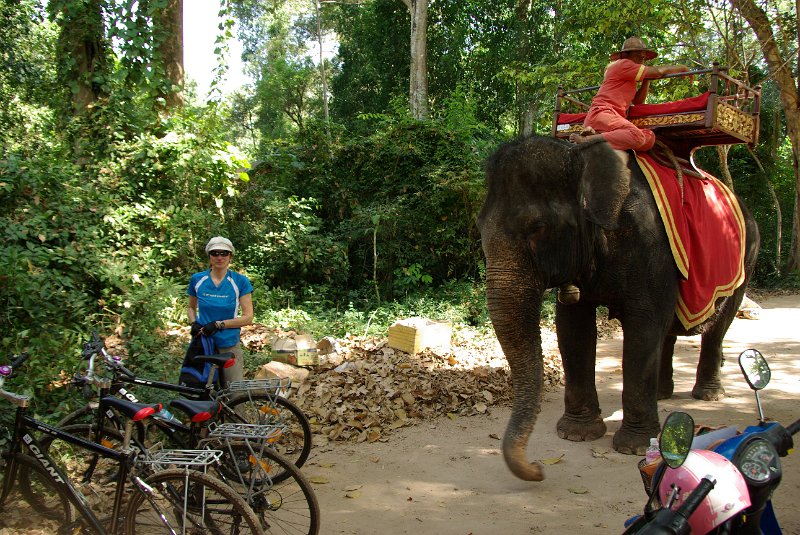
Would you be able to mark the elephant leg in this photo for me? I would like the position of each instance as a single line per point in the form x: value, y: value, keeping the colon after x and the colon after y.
x: 708, y: 382
x: 576, y: 326
x: 666, y: 385
x: 641, y: 355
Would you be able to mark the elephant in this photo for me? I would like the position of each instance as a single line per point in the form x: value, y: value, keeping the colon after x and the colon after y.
x: 557, y: 213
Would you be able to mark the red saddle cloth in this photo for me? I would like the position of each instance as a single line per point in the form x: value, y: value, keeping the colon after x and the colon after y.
x: 706, y: 233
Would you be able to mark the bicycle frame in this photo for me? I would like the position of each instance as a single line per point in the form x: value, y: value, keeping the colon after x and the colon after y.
x: 24, y: 425
x: 122, y: 376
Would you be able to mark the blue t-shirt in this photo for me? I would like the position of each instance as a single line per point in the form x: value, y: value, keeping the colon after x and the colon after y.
x: 218, y: 303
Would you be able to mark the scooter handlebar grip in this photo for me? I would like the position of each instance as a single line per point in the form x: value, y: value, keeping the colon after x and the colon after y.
x: 794, y: 428
x: 700, y: 492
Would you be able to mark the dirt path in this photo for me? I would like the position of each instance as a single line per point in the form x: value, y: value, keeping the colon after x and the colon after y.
x: 447, y: 477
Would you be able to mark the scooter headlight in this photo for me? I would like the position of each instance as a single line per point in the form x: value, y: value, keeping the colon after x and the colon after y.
x: 758, y: 461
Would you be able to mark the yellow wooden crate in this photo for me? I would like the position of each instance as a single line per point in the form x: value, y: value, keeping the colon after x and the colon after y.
x: 412, y: 335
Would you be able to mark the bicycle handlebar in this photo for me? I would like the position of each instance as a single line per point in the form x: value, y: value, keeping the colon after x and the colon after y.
x: 5, y: 371
x: 793, y: 428
x: 19, y: 360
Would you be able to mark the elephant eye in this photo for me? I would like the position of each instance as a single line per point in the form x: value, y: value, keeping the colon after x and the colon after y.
x: 537, y: 230
x: 536, y: 233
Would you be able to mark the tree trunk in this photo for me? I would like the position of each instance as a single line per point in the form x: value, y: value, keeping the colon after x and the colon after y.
x: 169, y: 49
x: 83, y: 50
x: 322, y: 73
x: 725, y: 170
x: 778, y: 212
x: 780, y: 68
x: 525, y: 102
x: 418, y: 85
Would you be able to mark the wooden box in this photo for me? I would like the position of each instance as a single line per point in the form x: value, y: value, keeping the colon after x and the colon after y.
x: 415, y: 334
x: 298, y: 351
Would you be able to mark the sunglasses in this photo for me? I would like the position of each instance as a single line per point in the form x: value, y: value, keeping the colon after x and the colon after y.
x: 219, y: 253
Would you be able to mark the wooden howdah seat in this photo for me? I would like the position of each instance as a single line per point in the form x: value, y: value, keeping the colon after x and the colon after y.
x: 727, y: 114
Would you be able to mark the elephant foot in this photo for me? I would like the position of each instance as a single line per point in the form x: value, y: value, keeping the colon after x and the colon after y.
x: 632, y: 442
x: 665, y: 391
x: 708, y: 393
x: 580, y: 429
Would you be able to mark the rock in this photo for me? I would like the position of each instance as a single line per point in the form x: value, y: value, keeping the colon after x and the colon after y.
x: 280, y: 369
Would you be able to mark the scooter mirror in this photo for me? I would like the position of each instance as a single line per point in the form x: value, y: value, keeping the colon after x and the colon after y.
x: 676, y: 438
x: 755, y: 368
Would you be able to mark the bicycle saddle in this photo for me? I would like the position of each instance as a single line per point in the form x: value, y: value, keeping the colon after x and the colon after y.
x: 134, y: 411
x: 196, y: 410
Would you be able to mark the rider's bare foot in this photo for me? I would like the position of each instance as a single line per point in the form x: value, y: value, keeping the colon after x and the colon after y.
x: 580, y: 138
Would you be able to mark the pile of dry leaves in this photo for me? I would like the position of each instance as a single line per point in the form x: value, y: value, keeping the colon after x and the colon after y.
x: 365, y: 388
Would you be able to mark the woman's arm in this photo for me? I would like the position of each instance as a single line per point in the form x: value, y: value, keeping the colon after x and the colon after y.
x: 191, y: 310
x: 246, y: 318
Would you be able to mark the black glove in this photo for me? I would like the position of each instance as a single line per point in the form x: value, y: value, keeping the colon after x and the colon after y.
x: 195, y: 329
x: 210, y: 328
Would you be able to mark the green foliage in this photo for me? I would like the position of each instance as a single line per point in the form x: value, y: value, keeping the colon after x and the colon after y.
x: 282, y: 241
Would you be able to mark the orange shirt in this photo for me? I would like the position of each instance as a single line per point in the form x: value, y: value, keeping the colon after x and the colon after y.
x: 619, y: 86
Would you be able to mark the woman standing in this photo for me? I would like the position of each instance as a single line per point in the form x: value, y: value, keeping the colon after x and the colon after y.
x: 215, y: 298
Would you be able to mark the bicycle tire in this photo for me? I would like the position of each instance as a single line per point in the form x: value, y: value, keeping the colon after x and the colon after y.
x: 81, y: 415
x: 285, y: 506
x: 46, y: 507
x: 212, y: 507
x: 295, y: 443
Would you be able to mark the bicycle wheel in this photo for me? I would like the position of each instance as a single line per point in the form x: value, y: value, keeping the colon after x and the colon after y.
x: 188, y: 502
x: 285, y: 506
x: 38, y: 505
x: 82, y: 415
x: 295, y: 443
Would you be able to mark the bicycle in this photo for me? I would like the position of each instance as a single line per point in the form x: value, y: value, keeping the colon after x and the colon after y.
x: 171, y: 500
x: 270, y: 484
x: 244, y: 402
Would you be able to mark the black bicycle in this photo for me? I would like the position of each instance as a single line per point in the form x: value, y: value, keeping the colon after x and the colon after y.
x: 276, y: 490
x: 175, y: 500
x: 244, y: 402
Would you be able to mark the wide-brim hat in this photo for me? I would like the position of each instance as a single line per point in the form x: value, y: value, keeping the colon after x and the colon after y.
x: 218, y: 243
x: 634, y: 44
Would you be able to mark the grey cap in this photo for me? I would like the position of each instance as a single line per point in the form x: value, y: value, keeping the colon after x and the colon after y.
x: 218, y: 243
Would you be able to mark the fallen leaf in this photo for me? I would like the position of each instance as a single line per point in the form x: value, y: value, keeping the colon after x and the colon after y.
x: 352, y: 495
x: 319, y: 480
x: 553, y: 460
x: 494, y: 436
x: 452, y: 415
x: 578, y: 490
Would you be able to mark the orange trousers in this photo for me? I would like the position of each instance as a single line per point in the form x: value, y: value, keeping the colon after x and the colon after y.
x: 620, y: 133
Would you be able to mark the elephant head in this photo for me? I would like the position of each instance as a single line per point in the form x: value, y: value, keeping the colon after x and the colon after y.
x: 546, y: 206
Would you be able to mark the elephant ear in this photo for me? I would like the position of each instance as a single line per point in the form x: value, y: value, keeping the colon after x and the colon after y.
x: 605, y: 181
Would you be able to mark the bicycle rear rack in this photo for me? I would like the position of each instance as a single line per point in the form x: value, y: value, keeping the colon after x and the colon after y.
x: 163, y: 459
x: 274, y: 386
x: 268, y: 432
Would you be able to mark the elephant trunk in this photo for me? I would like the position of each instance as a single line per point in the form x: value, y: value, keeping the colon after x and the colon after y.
x: 514, y: 301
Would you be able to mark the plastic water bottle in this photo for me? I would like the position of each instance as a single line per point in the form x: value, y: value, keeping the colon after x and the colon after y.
x: 653, y: 453
x: 164, y: 414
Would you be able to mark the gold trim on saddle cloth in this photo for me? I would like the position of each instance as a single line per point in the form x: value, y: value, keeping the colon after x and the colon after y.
x: 692, y: 318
